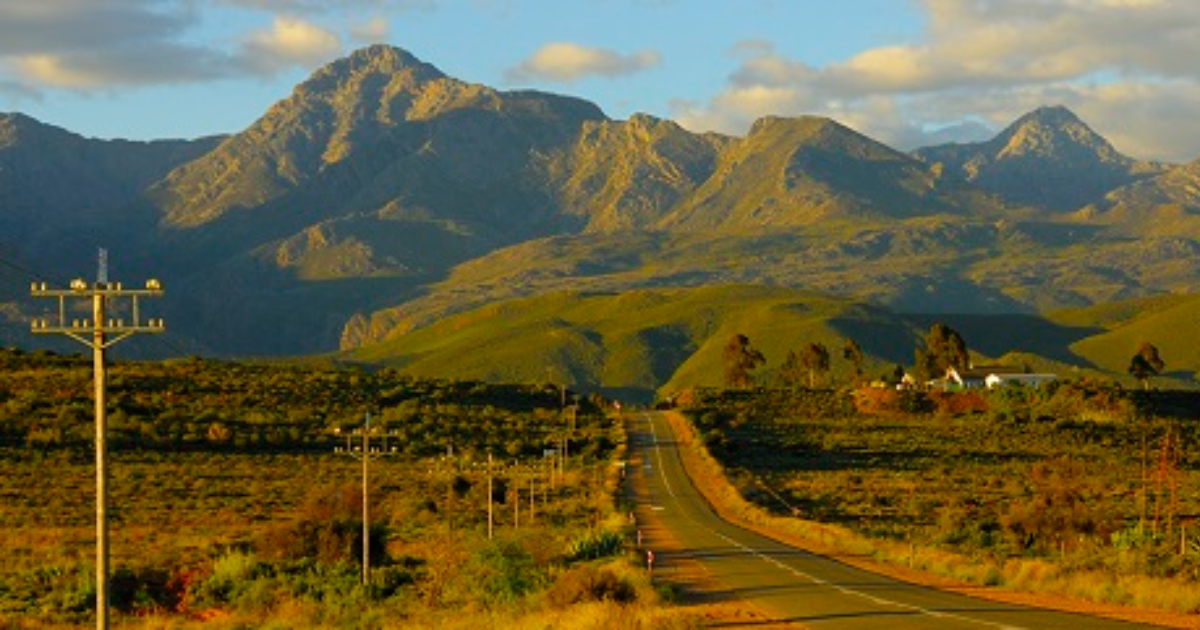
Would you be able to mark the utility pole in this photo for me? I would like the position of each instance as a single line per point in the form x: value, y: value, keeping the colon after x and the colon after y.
x: 99, y: 333
x: 366, y: 453
x: 569, y: 417
x: 491, y: 520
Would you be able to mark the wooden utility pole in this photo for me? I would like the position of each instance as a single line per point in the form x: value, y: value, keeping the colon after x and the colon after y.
x: 99, y: 333
x: 491, y: 520
x: 366, y: 453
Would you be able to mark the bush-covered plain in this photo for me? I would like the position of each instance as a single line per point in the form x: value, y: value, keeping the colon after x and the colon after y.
x: 230, y: 508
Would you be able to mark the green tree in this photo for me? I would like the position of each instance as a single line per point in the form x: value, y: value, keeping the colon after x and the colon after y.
x: 740, y: 361
x: 1146, y: 363
x: 792, y: 372
x: 854, y: 354
x: 944, y: 348
x: 815, y: 359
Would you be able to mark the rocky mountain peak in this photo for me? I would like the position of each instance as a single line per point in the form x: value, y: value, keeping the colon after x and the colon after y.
x: 396, y: 64
x: 1055, y: 133
x: 342, y: 108
x: 1037, y: 161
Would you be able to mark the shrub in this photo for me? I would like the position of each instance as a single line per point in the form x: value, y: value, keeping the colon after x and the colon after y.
x: 595, y: 545
x: 328, y: 530
x: 141, y: 589
x: 958, y: 403
x: 50, y: 588
x: 1063, y: 509
x: 231, y: 572
x: 877, y: 401
x: 507, y: 571
x: 588, y: 584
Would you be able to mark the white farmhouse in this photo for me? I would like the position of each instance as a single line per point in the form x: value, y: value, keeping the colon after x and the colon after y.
x: 993, y: 376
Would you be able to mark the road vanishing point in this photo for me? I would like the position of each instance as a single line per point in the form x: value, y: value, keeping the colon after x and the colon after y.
x: 810, y: 590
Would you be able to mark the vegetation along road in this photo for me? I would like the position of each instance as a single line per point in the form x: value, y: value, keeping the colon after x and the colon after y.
x: 798, y: 586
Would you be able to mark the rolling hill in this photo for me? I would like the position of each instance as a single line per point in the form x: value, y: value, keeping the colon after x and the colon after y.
x: 632, y: 343
x: 1167, y: 323
x: 638, y: 344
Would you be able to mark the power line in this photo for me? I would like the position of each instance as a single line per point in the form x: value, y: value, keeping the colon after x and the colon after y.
x: 29, y: 273
x: 173, y: 348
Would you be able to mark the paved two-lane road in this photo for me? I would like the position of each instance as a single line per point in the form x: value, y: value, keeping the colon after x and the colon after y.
x: 794, y: 585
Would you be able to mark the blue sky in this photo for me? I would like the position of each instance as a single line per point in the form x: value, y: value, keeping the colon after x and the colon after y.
x: 907, y: 72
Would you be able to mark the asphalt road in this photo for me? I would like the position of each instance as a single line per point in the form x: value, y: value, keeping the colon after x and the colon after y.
x: 794, y: 585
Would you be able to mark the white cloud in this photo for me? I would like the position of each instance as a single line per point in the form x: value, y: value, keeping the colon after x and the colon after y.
x: 55, y: 71
x: 84, y: 45
x: 289, y: 42
x: 373, y: 31
x: 991, y: 61
x: 1148, y: 120
x: 108, y: 69
x: 88, y: 46
x: 565, y: 62
x: 315, y: 7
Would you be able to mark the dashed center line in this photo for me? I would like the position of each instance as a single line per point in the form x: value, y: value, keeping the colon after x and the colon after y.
x: 796, y: 572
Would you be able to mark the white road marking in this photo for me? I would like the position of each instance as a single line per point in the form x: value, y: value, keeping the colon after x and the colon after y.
x: 801, y: 574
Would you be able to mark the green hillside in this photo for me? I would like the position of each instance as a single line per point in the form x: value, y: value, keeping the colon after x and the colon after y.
x: 1168, y: 324
x: 632, y: 343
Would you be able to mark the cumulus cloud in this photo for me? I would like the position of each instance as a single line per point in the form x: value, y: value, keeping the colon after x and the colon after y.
x: 317, y: 7
x: 83, y: 45
x: 565, y: 62
x: 988, y: 62
x: 373, y: 31
x: 1149, y: 120
x: 289, y: 42
x: 153, y: 63
x: 32, y: 28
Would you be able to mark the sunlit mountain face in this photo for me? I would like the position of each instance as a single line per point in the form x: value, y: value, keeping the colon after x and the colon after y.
x: 382, y: 197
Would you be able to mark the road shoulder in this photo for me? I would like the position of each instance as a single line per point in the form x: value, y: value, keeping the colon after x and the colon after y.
x: 700, y: 467
x: 696, y: 589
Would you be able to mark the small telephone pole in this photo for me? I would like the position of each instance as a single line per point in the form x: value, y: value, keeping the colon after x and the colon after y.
x: 366, y: 453
x: 99, y: 333
x: 491, y: 518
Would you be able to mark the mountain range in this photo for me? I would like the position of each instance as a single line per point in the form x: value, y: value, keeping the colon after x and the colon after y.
x: 383, y: 201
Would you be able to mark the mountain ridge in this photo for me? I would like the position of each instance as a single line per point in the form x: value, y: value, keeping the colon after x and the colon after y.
x: 382, y: 196
x: 1044, y: 151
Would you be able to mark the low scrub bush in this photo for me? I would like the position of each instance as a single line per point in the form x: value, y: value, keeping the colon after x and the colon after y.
x: 62, y: 592
x: 329, y: 529
x: 589, y: 584
x: 143, y: 589
x: 506, y: 572
x: 595, y: 545
x: 230, y: 574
